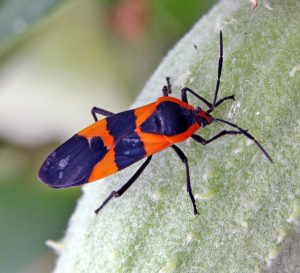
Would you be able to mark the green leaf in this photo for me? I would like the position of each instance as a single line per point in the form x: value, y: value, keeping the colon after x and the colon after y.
x: 248, y: 206
x: 16, y: 16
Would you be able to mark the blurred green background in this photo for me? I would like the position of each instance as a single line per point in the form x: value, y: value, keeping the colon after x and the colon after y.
x: 58, y: 59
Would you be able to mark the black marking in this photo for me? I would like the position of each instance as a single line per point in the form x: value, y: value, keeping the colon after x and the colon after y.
x: 72, y: 163
x: 169, y: 119
x: 121, y: 124
x: 129, y: 150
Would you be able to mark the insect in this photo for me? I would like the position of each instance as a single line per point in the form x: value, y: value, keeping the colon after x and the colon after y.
x: 119, y: 140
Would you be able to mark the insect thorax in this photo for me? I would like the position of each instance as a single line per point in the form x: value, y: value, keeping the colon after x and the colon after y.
x: 169, y: 119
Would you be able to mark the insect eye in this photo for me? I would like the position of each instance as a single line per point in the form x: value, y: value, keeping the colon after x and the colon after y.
x: 198, y: 109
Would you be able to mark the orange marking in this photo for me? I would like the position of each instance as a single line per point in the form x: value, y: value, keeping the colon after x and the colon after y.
x: 142, y: 113
x: 105, y: 167
x: 172, y: 99
x: 98, y: 128
x: 185, y: 135
x: 206, y: 116
x: 153, y: 143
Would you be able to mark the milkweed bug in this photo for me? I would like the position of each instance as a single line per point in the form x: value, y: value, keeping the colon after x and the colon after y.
x: 119, y: 140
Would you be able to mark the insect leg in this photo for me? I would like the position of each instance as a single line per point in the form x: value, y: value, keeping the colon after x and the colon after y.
x: 219, y: 73
x: 184, y: 96
x: 215, y: 103
x: 188, y: 181
x: 100, y: 111
x: 167, y: 89
x: 222, y: 133
x: 209, y: 105
x: 222, y: 100
x: 126, y: 186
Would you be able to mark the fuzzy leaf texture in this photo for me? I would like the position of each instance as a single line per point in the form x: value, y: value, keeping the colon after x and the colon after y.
x: 248, y: 207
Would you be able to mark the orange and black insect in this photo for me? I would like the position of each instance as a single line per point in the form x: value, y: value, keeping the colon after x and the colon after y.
x: 119, y: 140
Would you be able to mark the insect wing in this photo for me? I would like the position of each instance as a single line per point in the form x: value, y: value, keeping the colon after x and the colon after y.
x: 128, y: 150
x: 72, y: 163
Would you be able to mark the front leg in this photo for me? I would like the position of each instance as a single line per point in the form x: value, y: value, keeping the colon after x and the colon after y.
x: 208, y: 104
x: 100, y: 111
x: 221, y: 101
x: 184, y: 96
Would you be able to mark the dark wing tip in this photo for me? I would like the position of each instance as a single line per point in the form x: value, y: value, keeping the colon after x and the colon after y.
x: 72, y: 163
